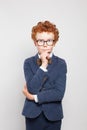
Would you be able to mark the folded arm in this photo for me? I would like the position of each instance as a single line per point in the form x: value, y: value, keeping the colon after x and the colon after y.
x: 35, y: 80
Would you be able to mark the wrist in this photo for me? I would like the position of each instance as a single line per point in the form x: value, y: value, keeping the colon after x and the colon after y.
x: 30, y: 96
x: 44, y: 65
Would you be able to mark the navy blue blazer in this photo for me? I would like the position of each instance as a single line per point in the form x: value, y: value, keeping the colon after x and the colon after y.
x: 49, y: 87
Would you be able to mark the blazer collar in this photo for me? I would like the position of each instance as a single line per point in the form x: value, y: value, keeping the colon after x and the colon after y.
x: 35, y: 66
x: 53, y: 64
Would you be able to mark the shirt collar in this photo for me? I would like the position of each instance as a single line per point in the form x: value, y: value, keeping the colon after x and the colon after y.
x: 51, y: 54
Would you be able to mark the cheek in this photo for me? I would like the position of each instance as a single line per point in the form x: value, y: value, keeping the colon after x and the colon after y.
x: 39, y: 48
x: 51, y: 48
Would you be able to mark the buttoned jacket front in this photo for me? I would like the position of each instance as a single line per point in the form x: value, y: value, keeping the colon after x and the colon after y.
x: 49, y: 87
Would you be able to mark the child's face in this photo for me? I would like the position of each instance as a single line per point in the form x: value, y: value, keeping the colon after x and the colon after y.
x: 41, y: 42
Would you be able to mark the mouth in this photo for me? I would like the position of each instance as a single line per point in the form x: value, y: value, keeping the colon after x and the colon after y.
x: 49, y: 51
x: 46, y: 49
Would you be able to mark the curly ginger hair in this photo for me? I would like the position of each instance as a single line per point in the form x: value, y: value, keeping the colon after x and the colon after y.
x: 45, y: 26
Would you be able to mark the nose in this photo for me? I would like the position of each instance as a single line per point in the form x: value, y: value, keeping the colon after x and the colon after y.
x: 45, y: 43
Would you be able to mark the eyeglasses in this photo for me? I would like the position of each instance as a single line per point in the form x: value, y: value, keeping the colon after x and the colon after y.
x: 41, y: 42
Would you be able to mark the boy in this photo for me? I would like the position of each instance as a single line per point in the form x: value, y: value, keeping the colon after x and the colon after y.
x: 45, y: 76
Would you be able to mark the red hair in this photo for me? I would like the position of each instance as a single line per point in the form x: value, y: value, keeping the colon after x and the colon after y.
x: 45, y: 26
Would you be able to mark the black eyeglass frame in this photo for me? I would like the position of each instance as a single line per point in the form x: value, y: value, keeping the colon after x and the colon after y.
x: 43, y: 42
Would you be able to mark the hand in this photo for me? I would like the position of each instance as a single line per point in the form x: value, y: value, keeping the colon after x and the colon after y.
x: 27, y: 93
x: 44, y: 57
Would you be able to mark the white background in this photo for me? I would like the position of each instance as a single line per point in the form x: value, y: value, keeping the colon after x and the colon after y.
x: 16, y: 20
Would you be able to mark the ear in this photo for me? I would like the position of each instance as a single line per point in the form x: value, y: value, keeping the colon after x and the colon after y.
x: 54, y: 44
x: 35, y: 43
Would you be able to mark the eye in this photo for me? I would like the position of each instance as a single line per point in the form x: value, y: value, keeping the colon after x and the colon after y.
x: 50, y: 40
x: 40, y: 40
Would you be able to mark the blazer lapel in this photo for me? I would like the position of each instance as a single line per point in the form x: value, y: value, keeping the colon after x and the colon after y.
x: 33, y: 64
x: 53, y: 64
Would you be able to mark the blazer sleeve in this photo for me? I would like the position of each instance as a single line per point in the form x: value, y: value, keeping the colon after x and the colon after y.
x: 35, y: 80
x: 57, y: 90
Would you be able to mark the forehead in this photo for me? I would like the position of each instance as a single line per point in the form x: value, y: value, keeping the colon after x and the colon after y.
x: 45, y: 35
